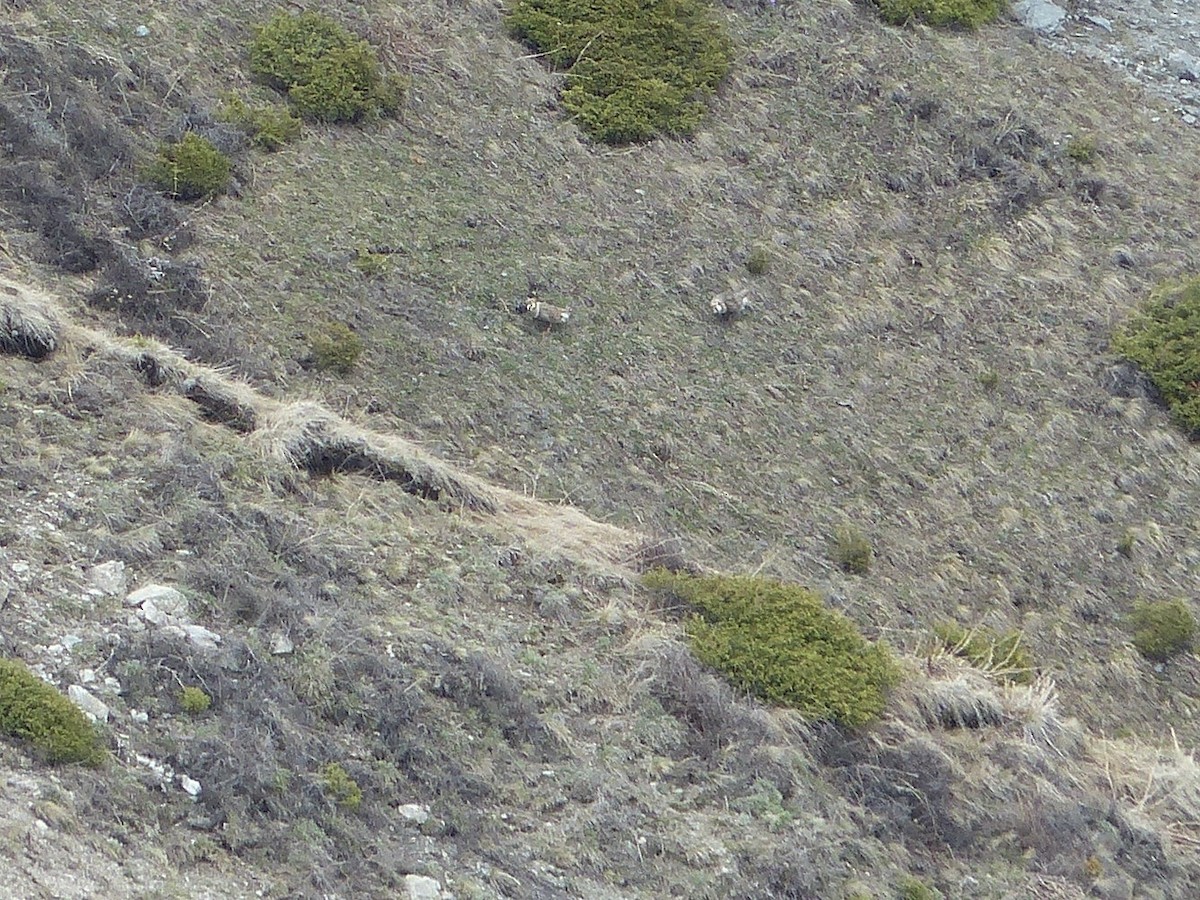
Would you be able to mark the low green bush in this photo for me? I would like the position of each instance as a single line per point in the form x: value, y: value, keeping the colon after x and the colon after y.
x: 269, y: 127
x: 329, y: 74
x: 341, y: 786
x: 779, y: 642
x: 960, y: 13
x: 192, y: 169
x: 998, y: 654
x: 852, y: 550
x: 634, y: 69
x: 336, y: 348
x: 193, y: 700
x: 34, y: 712
x: 1162, y: 629
x: 1163, y: 339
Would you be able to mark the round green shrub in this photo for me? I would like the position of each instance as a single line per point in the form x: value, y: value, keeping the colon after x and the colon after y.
x: 342, y: 786
x: 191, y: 169
x: 1163, y: 339
x: 635, y: 70
x: 193, y: 700
x: 336, y: 348
x: 1162, y: 629
x: 327, y: 73
x: 781, y: 643
x: 961, y: 13
x: 35, y: 712
x: 269, y: 127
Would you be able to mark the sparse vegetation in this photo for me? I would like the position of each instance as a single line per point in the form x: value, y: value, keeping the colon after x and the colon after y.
x: 328, y: 74
x: 269, y: 127
x: 1164, y: 340
x: 1000, y: 655
x: 912, y: 888
x: 335, y: 348
x: 50, y: 724
x: 193, y: 700
x: 958, y: 13
x: 1162, y: 629
x: 634, y: 70
x: 781, y: 643
x: 852, y: 550
x: 341, y: 786
x: 370, y: 263
x: 759, y: 260
x: 192, y: 169
x: 1082, y: 150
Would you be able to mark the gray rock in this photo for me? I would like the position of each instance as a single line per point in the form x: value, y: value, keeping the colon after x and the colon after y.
x: 189, y: 785
x: 1099, y: 22
x: 1040, y: 15
x: 108, y: 577
x: 422, y: 887
x: 1183, y: 65
x: 281, y: 645
x: 168, y: 599
x: 202, y: 637
x: 414, y: 812
x: 94, y: 708
x: 156, y: 616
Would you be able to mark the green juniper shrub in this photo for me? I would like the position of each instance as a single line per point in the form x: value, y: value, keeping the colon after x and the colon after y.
x: 1162, y: 629
x: 779, y: 642
x: 999, y: 654
x: 759, y: 261
x: 959, y: 13
x: 193, y: 700
x: 269, y: 127
x: 191, y: 169
x: 852, y: 550
x: 329, y: 74
x: 634, y: 70
x: 335, y: 348
x: 36, y: 713
x: 341, y: 786
x: 1163, y: 339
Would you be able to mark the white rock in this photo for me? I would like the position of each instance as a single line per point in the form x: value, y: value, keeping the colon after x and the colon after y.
x: 108, y: 577
x: 139, y: 715
x: 414, y: 812
x: 87, y: 676
x: 94, y: 708
x: 142, y: 31
x: 20, y: 567
x: 190, y: 785
x: 165, y: 598
x: 70, y: 641
x: 1040, y: 15
x: 1099, y: 22
x: 202, y: 637
x: 422, y: 887
x: 281, y: 645
x: 156, y: 615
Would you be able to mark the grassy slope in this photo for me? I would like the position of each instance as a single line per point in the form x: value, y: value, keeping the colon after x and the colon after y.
x: 999, y: 500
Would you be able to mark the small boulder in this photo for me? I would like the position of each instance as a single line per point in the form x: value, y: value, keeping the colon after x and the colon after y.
x: 202, y: 637
x: 414, y: 812
x: 108, y: 577
x: 1040, y: 15
x: 1183, y: 65
x: 164, y: 598
x: 93, y: 707
x: 422, y: 887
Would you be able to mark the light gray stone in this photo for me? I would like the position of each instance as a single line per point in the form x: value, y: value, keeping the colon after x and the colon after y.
x: 202, y: 637
x: 1183, y: 65
x: 414, y: 812
x: 281, y: 645
x: 168, y: 599
x: 1099, y: 22
x: 422, y: 887
x: 109, y: 577
x: 1040, y: 15
x: 93, y: 707
x: 190, y: 785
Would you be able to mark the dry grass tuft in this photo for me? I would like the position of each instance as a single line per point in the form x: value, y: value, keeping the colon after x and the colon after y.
x: 28, y: 323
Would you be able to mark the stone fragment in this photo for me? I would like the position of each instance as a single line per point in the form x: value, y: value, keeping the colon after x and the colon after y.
x: 93, y: 707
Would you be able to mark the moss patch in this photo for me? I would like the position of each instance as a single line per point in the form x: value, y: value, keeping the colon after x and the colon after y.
x: 1162, y: 629
x: 1164, y: 340
x: 329, y: 74
x: 781, y: 643
x: 52, y: 725
x: 635, y: 70
x: 960, y: 13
